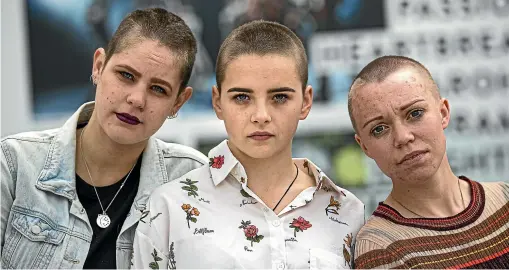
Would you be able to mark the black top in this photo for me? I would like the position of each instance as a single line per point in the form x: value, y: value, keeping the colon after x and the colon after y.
x: 101, y: 254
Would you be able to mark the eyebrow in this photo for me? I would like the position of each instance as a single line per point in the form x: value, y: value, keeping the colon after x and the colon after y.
x: 138, y: 74
x: 270, y: 91
x: 406, y: 106
x: 402, y: 108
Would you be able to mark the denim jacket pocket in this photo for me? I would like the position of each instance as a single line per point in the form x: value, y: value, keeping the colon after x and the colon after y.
x: 31, y: 240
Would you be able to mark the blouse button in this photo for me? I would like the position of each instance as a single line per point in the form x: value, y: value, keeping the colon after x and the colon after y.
x: 276, y: 223
x: 36, y: 229
x: 280, y: 266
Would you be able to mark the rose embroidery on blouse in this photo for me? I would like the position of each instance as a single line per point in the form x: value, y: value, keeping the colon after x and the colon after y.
x: 299, y: 225
x: 250, y: 231
x: 216, y: 162
x: 191, y: 213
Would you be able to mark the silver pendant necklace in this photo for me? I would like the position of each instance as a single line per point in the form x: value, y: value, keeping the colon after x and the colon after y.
x: 103, y: 220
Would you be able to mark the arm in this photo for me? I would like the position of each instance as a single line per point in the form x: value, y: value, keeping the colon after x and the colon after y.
x: 151, y: 242
x: 7, y: 190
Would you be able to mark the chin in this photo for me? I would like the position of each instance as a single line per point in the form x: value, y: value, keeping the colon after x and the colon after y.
x: 124, y: 137
x: 415, y: 175
x: 258, y: 152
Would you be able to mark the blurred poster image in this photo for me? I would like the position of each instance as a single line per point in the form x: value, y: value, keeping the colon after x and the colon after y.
x: 63, y: 36
x: 336, y: 153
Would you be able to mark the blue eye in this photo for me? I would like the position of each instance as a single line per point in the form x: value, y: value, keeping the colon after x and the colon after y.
x: 158, y: 89
x: 378, y: 130
x: 241, y: 98
x: 127, y: 75
x: 280, y: 98
x: 416, y: 113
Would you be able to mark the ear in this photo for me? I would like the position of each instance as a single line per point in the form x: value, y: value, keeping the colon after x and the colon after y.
x: 445, y: 112
x: 307, y: 102
x: 98, y: 64
x: 362, y: 145
x: 216, y: 102
x: 186, y: 94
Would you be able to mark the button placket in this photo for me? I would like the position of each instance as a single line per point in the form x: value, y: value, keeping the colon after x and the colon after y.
x: 277, y: 241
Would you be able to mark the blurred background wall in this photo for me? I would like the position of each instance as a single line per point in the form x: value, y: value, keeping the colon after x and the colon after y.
x: 47, y: 48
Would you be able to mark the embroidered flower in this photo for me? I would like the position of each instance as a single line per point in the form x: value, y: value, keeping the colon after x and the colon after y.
x: 250, y: 231
x: 300, y: 224
x: 346, y: 255
x: 190, y: 187
x: 306, y: 165
x: 155, y: 264
x: 244, y: 193
x: 186, y: 207
x: 333, y: 203
x: 172, y: 264
x: 191, y: 214
x: 348, y: 241
x: 217, y: 162
x: 195, y: 212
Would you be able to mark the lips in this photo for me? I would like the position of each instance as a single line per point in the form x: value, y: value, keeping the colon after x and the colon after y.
x: 129, y: 119
x: 413, y: 156
x: 260, y: 135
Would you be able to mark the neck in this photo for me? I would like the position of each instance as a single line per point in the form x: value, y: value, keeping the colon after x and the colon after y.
x: 270, y: 178
x: 437, y: 197
x: 107, y: 160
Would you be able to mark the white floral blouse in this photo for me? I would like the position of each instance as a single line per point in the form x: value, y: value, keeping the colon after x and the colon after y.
x: 209, y: 218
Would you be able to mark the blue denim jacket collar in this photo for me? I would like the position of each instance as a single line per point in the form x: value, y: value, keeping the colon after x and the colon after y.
x: 59, y: 175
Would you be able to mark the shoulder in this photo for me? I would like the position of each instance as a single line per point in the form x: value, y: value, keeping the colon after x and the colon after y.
x: 178, y: 151
x: 173, y: 189
x: 30, y: 138
x: 495, y: 186
x: 33, y: 145
x: 377, y: 230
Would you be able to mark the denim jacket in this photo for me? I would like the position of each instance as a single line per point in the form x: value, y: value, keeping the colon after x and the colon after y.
x: 43, y: 224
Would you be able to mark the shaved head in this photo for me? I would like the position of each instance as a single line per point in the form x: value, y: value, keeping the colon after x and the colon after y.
x: 380, y: 69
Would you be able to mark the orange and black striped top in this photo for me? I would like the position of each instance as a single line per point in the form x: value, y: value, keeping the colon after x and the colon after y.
x: 478, y: 237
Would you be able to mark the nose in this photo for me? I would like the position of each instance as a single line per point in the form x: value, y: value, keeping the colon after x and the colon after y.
x: 261, y: 114
x: 402, y: 134
x: 137, y: 97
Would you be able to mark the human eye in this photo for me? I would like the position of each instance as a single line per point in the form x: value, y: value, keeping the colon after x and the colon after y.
x: 416, y: 114
x: 158, y: 89
x: 377, y: 131
x: 280, y: 98
x: 241, y: 98
x: 126, y: 75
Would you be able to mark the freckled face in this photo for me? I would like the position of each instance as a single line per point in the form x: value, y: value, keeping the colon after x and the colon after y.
x: 401, y: 123
x: 136, y: 91
x: 261, y: 102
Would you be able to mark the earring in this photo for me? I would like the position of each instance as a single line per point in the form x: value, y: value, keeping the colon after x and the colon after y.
x: 92, y: 79
x: 173, y: 115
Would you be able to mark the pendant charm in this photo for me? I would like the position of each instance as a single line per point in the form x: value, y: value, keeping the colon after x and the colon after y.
x: 103, y: 220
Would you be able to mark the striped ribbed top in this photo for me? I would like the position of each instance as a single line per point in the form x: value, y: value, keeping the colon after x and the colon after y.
x: 478, y: 237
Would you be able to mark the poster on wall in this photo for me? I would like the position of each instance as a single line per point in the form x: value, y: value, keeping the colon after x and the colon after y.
x: 465, y: 45
x: 63, y: 36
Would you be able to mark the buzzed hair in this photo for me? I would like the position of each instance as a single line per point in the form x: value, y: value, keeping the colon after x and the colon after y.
x: 379, y: 69
x: 160, y: 25
x: 261, y: 38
